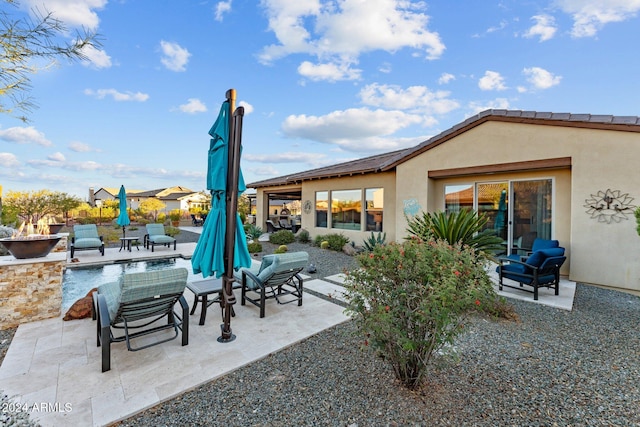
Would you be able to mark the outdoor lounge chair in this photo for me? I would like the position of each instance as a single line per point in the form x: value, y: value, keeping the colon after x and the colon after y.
x: 540, y: 269
x: 157, y: 236
x: 196, y: 221
x: 85, y: 237
x: 272, y: 227
x: 136, y: 302
x: 537, y: 245
x: 276, y: 277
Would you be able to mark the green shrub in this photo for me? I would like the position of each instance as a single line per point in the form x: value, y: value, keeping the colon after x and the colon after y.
x: 282, y: 237
x: 4, y: 233
x: 373, y: 241
x: 464, y: 226
x: 336, y: 241
x: 254, y: 247
x: 281, y: 249
x: 303, y: 236
x: 410, y: 300
x: 324, y: 245
x: 637, y: 214
x: 253, y: 231
x: 172, y: 231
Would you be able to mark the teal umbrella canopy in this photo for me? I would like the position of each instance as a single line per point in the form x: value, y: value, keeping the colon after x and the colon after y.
x: 208, y: 257
x: 123, y: 217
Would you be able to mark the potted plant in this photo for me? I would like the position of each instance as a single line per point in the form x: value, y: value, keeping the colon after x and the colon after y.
x: 175, y: 216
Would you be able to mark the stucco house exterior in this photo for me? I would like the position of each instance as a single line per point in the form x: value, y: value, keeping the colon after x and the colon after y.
x: 571, y: 177
x: 177, y: 197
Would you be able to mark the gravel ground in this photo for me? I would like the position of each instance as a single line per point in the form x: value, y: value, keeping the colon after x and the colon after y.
x: 550, y: 368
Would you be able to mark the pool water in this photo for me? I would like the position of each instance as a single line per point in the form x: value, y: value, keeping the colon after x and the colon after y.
x: 77, y: 282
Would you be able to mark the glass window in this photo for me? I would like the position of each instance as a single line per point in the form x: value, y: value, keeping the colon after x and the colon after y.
x: 374, y: 205
x: 457, y: 197
x: 346, y: 209
x: 322, y: 202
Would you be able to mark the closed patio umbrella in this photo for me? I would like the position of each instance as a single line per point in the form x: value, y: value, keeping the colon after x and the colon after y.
x: 222, y: 246
x: 123, y: 217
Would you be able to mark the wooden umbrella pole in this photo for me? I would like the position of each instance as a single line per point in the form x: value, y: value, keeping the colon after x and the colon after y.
x: 231, y: 208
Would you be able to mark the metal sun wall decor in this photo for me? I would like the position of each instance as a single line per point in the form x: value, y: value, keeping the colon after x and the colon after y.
x: 609, y: 206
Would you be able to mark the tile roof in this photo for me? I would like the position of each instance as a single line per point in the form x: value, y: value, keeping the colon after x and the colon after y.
x: 388, y: 161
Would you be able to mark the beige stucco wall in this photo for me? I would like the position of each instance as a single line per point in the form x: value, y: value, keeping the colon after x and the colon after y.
x: 600, y: 253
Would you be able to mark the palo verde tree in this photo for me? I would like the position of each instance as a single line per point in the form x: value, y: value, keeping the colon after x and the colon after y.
x: 28, y: 45
x: 31, y: 206
x: 152, y: 205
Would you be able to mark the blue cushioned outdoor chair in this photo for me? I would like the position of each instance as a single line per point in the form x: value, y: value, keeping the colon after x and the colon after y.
x: 276, y: 277
x: 540, y: 269
x: 138, y: 302
x: 85, y: 237
x: 157, y: 236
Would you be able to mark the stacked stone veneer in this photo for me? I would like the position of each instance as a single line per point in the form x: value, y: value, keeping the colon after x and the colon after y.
x: 31, y: 289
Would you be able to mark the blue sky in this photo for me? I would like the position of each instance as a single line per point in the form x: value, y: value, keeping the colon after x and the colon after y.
x: 321, y: 81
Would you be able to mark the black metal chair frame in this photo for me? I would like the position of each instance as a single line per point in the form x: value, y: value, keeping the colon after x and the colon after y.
x: 74, y: 249
x: 155, y: 307
x: 272, y: 227
x: 550, y: 266
x: 196, y: 221
x: 147, y: 242
x: 278, y: 285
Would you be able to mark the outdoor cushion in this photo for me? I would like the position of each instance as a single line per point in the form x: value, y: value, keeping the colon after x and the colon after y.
x: 161, y: 238
x: 536, y: 259
x: 551, y: 252
x: 87, y: 242
x: 86, y: 231
x: 539, y: 244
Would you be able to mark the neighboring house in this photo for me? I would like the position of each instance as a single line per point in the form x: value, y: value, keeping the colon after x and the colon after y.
x: 173, y: 197
x: 571, y: 177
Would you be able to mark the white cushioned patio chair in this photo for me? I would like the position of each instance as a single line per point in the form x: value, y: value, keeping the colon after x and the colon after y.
x: 85, y: 237
x: 276, y: 277
x: 136, y: 304
x: 156, y: 235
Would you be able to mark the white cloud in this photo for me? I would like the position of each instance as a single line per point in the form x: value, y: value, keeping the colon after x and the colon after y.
x: 332, y: 72
x: 590, y: 16
x: 541, y: 78
x: 57, y: 157
x: 75, y: 13
x: 286, y: 157
x: 116, y: 95
x: 343, y: 30
x: 499, y: 27
x: 413, y: 98
x: 544, y: 27
x: 353, y: 129
x: 491, y: 80
x: 264, y: 171
x: 496, y: 104
x: 385, y: 68
x: 222, y: 8
x: 95, y: 57
x: 81, y: 147
x: 248, y: 108
x: 446, y: 78
x: 8, y: 160
x: 193, y: 106
x: 25, y: 135
x: 175, y: 57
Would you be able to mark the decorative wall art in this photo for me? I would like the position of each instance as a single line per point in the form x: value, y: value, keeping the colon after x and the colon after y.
x: 609, y: 206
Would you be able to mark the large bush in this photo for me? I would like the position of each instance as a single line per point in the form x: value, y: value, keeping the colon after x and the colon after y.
x: 282, y: 237
x: 411, y: 299
x: 336, y: 241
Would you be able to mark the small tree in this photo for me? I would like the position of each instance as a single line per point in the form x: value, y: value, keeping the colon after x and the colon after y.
x: 31, y: 206
x: 152, y: 205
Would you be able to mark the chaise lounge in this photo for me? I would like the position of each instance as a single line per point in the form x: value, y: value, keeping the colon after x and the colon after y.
x: 156, y: 235
x: 129, y: 304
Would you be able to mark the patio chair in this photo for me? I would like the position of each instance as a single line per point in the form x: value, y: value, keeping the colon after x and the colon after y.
x: 537, y: 245
x: 284, y: 224
x: 85, y: 237
x: 272, y: 227
x: 276, y: 277
x: 157, y: 236
x: 540, y: 270
x: 136, y: 304
x: 196, y: 221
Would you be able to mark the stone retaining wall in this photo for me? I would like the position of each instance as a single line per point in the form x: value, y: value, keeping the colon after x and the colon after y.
x: 31, y: 289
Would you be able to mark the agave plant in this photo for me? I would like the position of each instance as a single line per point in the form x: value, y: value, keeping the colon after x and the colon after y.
x: 464, y: 226
x: 371, y: 242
